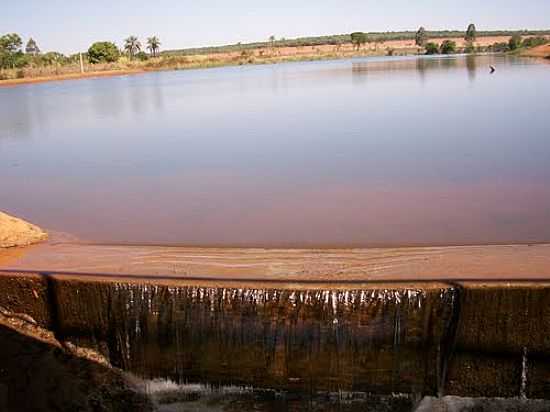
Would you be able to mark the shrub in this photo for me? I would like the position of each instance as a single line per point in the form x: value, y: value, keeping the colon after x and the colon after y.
x: 499, y: 47
x: 358, y: 39
x: 142, y: 56
x: 534, y: 41
x: 448, y: 47
x: 432, y: 48
x: 103, y: 52
x: 514, y: 42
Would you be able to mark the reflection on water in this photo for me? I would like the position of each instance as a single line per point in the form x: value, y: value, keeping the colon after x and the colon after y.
x: 379, y: 151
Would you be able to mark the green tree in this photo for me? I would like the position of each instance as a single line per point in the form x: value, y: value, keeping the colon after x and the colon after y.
x: 272, y: 40
x: 11, y: 55
x: 153, y: 45
x: 142, y: 56
x: 432, y: 48
x: 358, y: 39
x: 471, y: 33
x: 11, y: 43
x: 448, y: 47
x: 32, y: 47
x: 103, y: 52
x: 421, y: 37
x: 515, y: 41
x: 132, y: 46
x: 52, y: 58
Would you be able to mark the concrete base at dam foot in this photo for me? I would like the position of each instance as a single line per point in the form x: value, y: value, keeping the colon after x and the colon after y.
x: 456, y: 339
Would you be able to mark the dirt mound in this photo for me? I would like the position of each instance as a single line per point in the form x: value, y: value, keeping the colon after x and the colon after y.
x: 17, y: 232
x: 539, y: 51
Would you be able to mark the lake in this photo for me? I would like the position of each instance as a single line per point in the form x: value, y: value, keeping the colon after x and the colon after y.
x: 380, y: 151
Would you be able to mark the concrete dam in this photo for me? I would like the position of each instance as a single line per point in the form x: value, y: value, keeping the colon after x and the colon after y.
x: 467, y: 339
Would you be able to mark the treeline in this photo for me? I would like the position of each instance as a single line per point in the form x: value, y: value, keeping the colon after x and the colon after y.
x: 422, y: 39
x: 14, y: 56
x: 374, y: 37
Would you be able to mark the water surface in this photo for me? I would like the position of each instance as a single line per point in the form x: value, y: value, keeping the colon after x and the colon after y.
x: 363, y: 152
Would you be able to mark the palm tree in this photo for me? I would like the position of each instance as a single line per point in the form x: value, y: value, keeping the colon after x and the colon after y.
x: 132, y: 45
x: 153, y: 45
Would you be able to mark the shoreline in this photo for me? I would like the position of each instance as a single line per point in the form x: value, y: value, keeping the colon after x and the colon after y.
x: 259, y: 56
x: 69, y: 76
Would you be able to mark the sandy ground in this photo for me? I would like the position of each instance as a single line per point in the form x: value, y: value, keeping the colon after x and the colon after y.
x: 17, y: 232
x: 465, y: 262
x: 539, y: 51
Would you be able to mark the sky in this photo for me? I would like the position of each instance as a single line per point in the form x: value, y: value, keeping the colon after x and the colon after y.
x: 73, y: 25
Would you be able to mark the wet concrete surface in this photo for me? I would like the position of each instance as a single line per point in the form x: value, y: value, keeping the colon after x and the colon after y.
x: 497, y: 262
x: 464, y: 339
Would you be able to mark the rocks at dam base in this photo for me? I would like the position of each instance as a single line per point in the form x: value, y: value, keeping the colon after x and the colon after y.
x: 38, y: 374
x: 16, y: 232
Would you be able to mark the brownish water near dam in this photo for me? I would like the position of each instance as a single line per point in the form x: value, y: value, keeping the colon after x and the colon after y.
x: 385, y: 151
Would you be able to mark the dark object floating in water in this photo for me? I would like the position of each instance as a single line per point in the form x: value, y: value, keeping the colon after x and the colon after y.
x: 493, y: 69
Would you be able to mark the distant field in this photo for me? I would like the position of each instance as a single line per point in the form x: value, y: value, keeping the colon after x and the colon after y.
x: 341, y: 39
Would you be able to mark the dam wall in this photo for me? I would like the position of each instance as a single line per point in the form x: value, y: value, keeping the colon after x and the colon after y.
x: 428, y: 339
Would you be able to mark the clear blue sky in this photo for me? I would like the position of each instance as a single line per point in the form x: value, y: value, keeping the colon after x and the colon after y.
x: 72, y: 25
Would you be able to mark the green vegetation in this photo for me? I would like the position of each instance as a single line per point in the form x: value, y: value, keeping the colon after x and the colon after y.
x: 32, y: 47
x: 153, y: 45
x: 132, y: 46
x: 11, y: 56
x: 471, y: 33
x: 359, y: 39
x: 534, y: 42
x: 340, y: 39
x: 514, y: 42
x: 432, y: 48
x: 448, y: 47
x: 19, y: 62
x: 103, y: 52
x: 421, y: 37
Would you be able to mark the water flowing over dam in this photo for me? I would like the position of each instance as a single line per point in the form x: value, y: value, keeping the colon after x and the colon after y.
x: 422, y: 339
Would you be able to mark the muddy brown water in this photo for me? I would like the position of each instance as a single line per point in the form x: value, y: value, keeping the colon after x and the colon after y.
x: 360, y: 152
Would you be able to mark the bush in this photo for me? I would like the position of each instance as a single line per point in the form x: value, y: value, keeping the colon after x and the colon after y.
x: 534, y: 41
x: 432, y: 48
x: 448, y: 47
x: 358, y: 39
x: 142, y: 56
x: 499, y: 48
x: 514, y: 42
x: 103, y: 52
